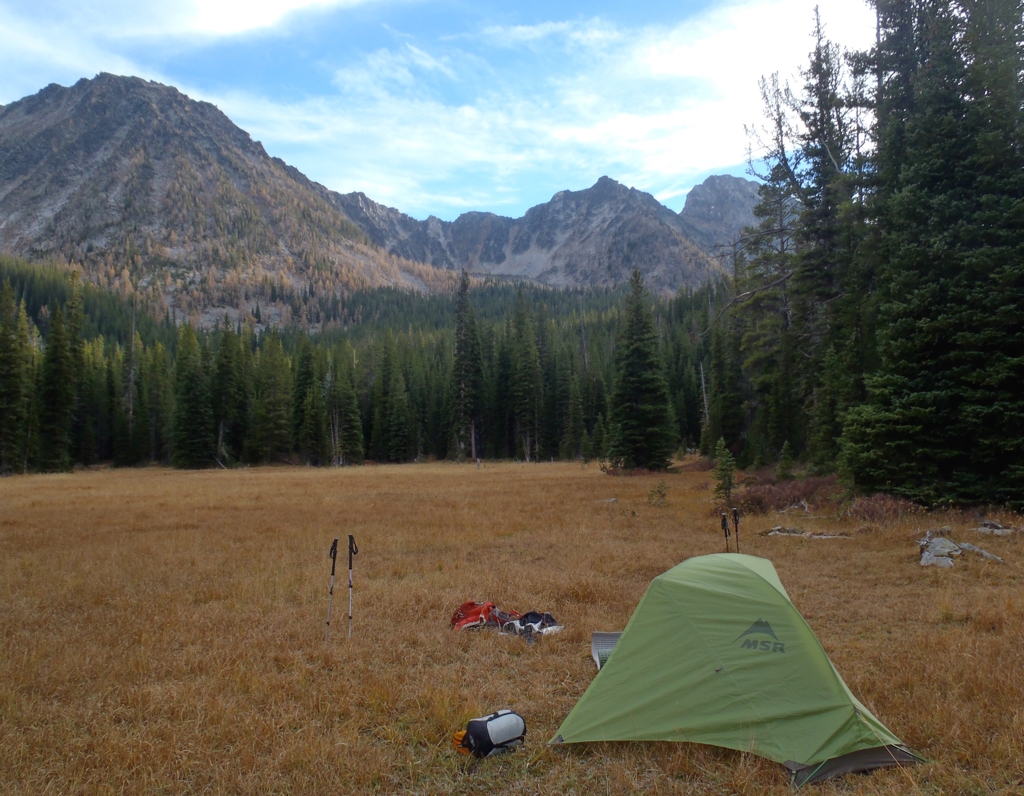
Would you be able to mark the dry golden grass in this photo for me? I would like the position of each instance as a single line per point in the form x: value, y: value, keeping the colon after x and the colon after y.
x: 163, y: 632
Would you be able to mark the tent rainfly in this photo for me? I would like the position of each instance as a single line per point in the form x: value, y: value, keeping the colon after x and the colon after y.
x: 717, y: 654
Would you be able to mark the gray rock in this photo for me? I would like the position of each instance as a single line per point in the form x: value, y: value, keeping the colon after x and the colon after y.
x: 938, y: 551
x: 985, y: 553
x: 931, y: 560
x: 995, y: 529
x: 941, y: 546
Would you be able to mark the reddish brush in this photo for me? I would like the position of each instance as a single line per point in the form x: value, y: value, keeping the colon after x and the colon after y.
x: 762, y: 498
x: 880, y: 508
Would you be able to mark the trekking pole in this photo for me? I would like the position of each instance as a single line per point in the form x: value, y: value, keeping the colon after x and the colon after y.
x: 352, y: 550
x: 333, y: 555
x: 736, y: 525
x: 725, y: 530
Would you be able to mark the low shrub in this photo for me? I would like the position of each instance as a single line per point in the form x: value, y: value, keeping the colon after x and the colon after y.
x: 765, y: 497
x: 881, y: 507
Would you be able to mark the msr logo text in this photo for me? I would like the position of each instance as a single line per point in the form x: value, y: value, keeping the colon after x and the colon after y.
x: 763, y: 646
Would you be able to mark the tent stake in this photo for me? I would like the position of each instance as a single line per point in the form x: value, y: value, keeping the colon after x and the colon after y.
x: 352, y: 550
x: 333, y: 555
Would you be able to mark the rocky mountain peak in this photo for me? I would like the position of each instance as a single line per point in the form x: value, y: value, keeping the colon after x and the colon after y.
x: 719, y: 208
x: 150, y: 190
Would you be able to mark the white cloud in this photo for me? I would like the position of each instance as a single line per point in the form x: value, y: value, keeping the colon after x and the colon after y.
x: 448, y: 124
x: 590, y: 33
x: 383, y: 69
x: 657, y: 108
x: 154, y: 19
x: 229, y: 17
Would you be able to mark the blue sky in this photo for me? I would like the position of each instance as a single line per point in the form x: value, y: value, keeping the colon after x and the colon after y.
x: 443, y: 107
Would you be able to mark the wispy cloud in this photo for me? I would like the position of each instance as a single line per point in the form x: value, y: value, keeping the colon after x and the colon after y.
x: 587, y: 33
x: 654, y: 107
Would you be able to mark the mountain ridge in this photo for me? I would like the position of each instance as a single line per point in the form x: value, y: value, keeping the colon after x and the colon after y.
x: 146, y: 189
x: 592, y: 237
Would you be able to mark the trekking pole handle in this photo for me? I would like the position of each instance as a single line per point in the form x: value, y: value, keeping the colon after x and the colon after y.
x: 353, y: 550
x: 333, y: 555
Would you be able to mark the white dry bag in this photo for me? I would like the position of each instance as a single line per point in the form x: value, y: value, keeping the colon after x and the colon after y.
x: 492, y: 735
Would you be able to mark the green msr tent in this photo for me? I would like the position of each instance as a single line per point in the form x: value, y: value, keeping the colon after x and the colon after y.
x: 717, y: 654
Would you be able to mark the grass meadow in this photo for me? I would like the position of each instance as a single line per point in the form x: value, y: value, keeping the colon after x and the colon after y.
x: 163, y: 631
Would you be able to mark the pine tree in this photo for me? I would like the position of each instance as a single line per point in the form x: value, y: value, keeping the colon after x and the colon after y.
x: 501, y: 415
x: 160, y: 380
x: 467, y: 377
x: 13, y: 384
x: 575, y: 431
x: 28, y: 343
x: 57, y: 398
x: 193, y: 439
x: 784, y: 471
x: 644, y: 435
x: 93, y: 403
x: 346, y: 426
x: 724, y: 474
x: 380, y: 441
x: 313, y: 444
x: 73, y: 324
x: 600, y: 439
x: 229, y: 397
x: 138, y: 396
x: 526, y: 388
x: 401, y: 436
x: 272, y: 414
x: 305, y: 377
x: 120, y: 434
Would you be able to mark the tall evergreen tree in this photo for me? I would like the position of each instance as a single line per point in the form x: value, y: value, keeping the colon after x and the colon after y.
x: 160, y: 382
x: 527, y: 387
x: 575, y: 431
x: 92, y: 399
x: 229, y: 396
x: 57, y: 398
x: 467, y: 389
x: 117, y: 401
x: 643, y: 426
x: 345, y: 424
x: 380, y: 429
x: 193, y: 441
x: 272, y: 414
x: 944, y: 419
x: 305, y: 378
x: 13, y: 384
x: 313, y: 443
x: 28, y: 342
x: 401, y: 431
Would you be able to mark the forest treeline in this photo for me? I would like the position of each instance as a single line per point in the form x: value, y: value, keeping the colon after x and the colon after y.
x: 494, y: 371
x: 873, y: 324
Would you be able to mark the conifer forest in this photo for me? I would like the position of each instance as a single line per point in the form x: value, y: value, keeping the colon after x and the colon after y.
x: 872, y: 324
